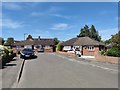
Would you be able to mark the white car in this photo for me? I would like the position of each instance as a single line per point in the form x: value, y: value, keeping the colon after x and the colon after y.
x: 77, y: 52
x: 71, y: 51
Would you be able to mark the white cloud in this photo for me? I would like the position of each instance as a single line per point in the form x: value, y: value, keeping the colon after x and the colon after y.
x: 12, y: 6
x: 61, y: 26
x: 8, y: 23
x: 54, y: 9
x: 106, y: 33
x: 36, y: 14
x: 61, y: 16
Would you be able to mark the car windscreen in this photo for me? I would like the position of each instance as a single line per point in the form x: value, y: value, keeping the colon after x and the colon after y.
x: 27, y: 50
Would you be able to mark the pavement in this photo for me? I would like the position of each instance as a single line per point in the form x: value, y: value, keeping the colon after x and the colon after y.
x: 52, y: 70
x: 10, y: 73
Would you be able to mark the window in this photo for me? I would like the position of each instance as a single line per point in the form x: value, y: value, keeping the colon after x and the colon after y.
x: 18, y: 47
x: 66, y: 48
x: 91, y: 48
x: 47, y: 47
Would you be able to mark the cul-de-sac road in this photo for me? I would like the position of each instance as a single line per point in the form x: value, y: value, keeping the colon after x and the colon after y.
x: 51, y: 70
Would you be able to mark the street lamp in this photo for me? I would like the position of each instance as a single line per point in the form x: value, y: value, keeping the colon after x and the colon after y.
x: 25, y: 34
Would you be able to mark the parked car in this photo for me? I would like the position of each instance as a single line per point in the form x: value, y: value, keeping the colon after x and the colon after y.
x: 77, y: 52
x: 40, y: 50
x: 71, y: 51
x: 27, y: 53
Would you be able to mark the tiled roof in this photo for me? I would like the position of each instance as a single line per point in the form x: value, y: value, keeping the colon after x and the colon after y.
x: 81, y: 41
x: 36, y: 42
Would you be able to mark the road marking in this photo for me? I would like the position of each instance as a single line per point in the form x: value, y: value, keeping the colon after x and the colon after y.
x: 86, y: 63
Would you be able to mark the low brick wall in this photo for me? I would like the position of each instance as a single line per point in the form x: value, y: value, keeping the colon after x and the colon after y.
x: 49, y: 50
x: 98, y: 57
x: 65, y: 53
x: 109, y: 59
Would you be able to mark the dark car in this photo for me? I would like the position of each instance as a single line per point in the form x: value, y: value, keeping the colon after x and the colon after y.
x: 27, y: 53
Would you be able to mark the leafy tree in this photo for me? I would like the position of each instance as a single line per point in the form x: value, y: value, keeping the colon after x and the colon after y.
x: 59, y: 47
x: 56, y: 41
x: 10, y: 41
x: 2, y: 41
x: 115, y: 39
x: 89, y: 32
x: 107, y: 42
x: 29, y: 37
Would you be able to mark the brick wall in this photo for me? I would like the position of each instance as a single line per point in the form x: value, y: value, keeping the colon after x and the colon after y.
x: 109, y: 59
x: 49, y: 50
x: 87, y: 52
x: 65, y: 53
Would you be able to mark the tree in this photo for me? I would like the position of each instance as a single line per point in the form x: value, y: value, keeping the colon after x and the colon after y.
x: 107, y: 42
x: 10, y: 41
x: 2, y: 41
x: 89, y: 32
x: 59, y: 47
x: 82, y: 33
x: 115, y: 49
x: 29, y: 37
x: 115, y: 39
x: 56, y: 41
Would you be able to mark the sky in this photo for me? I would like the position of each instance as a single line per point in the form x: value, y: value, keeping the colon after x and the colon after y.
x: 57, y: 19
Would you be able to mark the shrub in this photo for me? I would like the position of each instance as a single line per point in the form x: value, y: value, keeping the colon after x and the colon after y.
x: 10, y: 51
x: 59, y: 47
x: 114, y: 51
x: 7, y: 55
x: 103, y: 52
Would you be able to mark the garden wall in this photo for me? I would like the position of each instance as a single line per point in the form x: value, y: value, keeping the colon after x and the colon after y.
x: 109, y: 59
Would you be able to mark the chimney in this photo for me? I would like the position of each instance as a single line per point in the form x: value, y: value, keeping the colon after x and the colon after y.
x: 39, y: 37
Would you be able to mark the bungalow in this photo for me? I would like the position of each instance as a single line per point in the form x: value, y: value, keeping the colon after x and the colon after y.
x: 86, y: 45
x: 47, y: 44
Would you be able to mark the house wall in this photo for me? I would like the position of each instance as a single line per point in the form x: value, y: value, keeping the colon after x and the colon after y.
x: 87, y: 52
x: 16, y: 50
x: 49, y: 50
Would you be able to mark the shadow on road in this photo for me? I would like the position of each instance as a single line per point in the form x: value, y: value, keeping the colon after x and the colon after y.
x: 31, y: 58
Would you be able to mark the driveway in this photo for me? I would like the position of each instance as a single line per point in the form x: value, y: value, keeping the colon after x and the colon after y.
x: 51, y: 70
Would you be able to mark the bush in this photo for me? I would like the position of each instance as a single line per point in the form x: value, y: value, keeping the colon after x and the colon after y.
x: 59, y: 47
x: 10, y: 51
x: 114, y: 51
x: 7, y: 56
x: 103, y: 52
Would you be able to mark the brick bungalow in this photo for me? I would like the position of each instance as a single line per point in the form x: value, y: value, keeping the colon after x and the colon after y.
x: 86, y: 45
x: 47, y: 44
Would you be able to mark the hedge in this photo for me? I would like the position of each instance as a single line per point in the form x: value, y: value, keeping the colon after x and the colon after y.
x: 114, y: 51
x: 59, y: 47
x: 7, y: 56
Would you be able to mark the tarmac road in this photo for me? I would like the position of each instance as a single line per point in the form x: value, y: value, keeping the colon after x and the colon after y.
x: 51, y: 70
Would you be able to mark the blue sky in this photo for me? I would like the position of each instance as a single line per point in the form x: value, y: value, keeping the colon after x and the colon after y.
x: 61, y: 20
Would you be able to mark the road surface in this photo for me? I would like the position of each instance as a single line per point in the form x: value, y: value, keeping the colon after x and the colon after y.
x: 51, y: 70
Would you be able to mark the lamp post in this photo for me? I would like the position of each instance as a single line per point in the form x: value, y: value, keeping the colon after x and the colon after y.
x: 24, y: 35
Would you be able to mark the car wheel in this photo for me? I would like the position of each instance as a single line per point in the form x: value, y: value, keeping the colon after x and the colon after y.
x: 21, y: 56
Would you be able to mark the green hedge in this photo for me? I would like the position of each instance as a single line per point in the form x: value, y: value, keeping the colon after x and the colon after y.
x: 114, y: 51
x: 7, y: 56
x: 59, y: 47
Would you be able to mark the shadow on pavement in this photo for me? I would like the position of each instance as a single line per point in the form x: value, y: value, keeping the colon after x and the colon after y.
x: 7, y: 65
